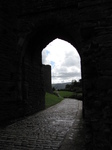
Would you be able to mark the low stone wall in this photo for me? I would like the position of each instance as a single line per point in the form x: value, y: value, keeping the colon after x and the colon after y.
x: 46, y: 69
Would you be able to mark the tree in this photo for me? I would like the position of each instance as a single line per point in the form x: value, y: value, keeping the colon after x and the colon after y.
x: 74, y: 86
x: 53, y: 88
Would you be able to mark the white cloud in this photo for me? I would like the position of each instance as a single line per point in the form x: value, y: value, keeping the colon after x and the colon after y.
x: 64, y: 59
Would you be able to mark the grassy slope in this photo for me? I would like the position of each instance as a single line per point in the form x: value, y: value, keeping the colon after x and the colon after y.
x: 51, y: 99
x: 66, y: 94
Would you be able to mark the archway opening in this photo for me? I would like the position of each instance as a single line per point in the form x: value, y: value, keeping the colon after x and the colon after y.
x: 64, y: 61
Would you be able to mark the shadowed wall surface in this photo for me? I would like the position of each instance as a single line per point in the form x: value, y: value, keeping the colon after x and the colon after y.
x: 47, y: 78
x: 26, y: 27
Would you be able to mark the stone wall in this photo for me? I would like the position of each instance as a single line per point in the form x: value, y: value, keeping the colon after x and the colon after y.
x: 8, y: 61
x: 32, y: 91
x: 96, y: 31
x: 26, y: 27
x: 47, y: 78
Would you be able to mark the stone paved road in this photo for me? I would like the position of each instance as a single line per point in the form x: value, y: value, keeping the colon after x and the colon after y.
x: 45, y: 130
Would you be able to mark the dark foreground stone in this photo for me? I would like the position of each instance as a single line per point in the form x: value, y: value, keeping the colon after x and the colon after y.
x: 57, y: 127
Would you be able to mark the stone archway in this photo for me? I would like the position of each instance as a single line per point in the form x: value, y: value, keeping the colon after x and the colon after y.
x: 32, y: 65
x: 88, y: 23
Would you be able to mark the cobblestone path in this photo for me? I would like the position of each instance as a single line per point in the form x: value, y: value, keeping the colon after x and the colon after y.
x: 45, y: 130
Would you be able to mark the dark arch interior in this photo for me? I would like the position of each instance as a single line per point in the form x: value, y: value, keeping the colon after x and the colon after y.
x: 27, y: 27
x: 40, y: 37
x: 35, y: 42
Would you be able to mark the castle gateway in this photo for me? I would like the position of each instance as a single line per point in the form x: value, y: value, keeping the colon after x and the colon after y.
x: 26, y: 27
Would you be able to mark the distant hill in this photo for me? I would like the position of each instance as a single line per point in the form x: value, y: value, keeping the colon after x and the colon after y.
x: 60, y: 85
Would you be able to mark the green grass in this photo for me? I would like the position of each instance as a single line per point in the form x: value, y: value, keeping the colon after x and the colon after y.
x: 66, y: 94
x: 51, y: 99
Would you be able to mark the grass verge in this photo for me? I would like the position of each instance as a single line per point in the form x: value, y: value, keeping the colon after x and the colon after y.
x: 66, y: 94
x: 51, y: 99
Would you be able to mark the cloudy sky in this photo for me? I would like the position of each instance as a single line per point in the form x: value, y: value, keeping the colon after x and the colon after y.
x: 64, y: 60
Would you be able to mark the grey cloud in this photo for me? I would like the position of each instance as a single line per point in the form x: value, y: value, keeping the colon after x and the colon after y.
x: 67, y: 74
x: 61, y: 70
x: 44, y: 56
x: 70, y: 61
